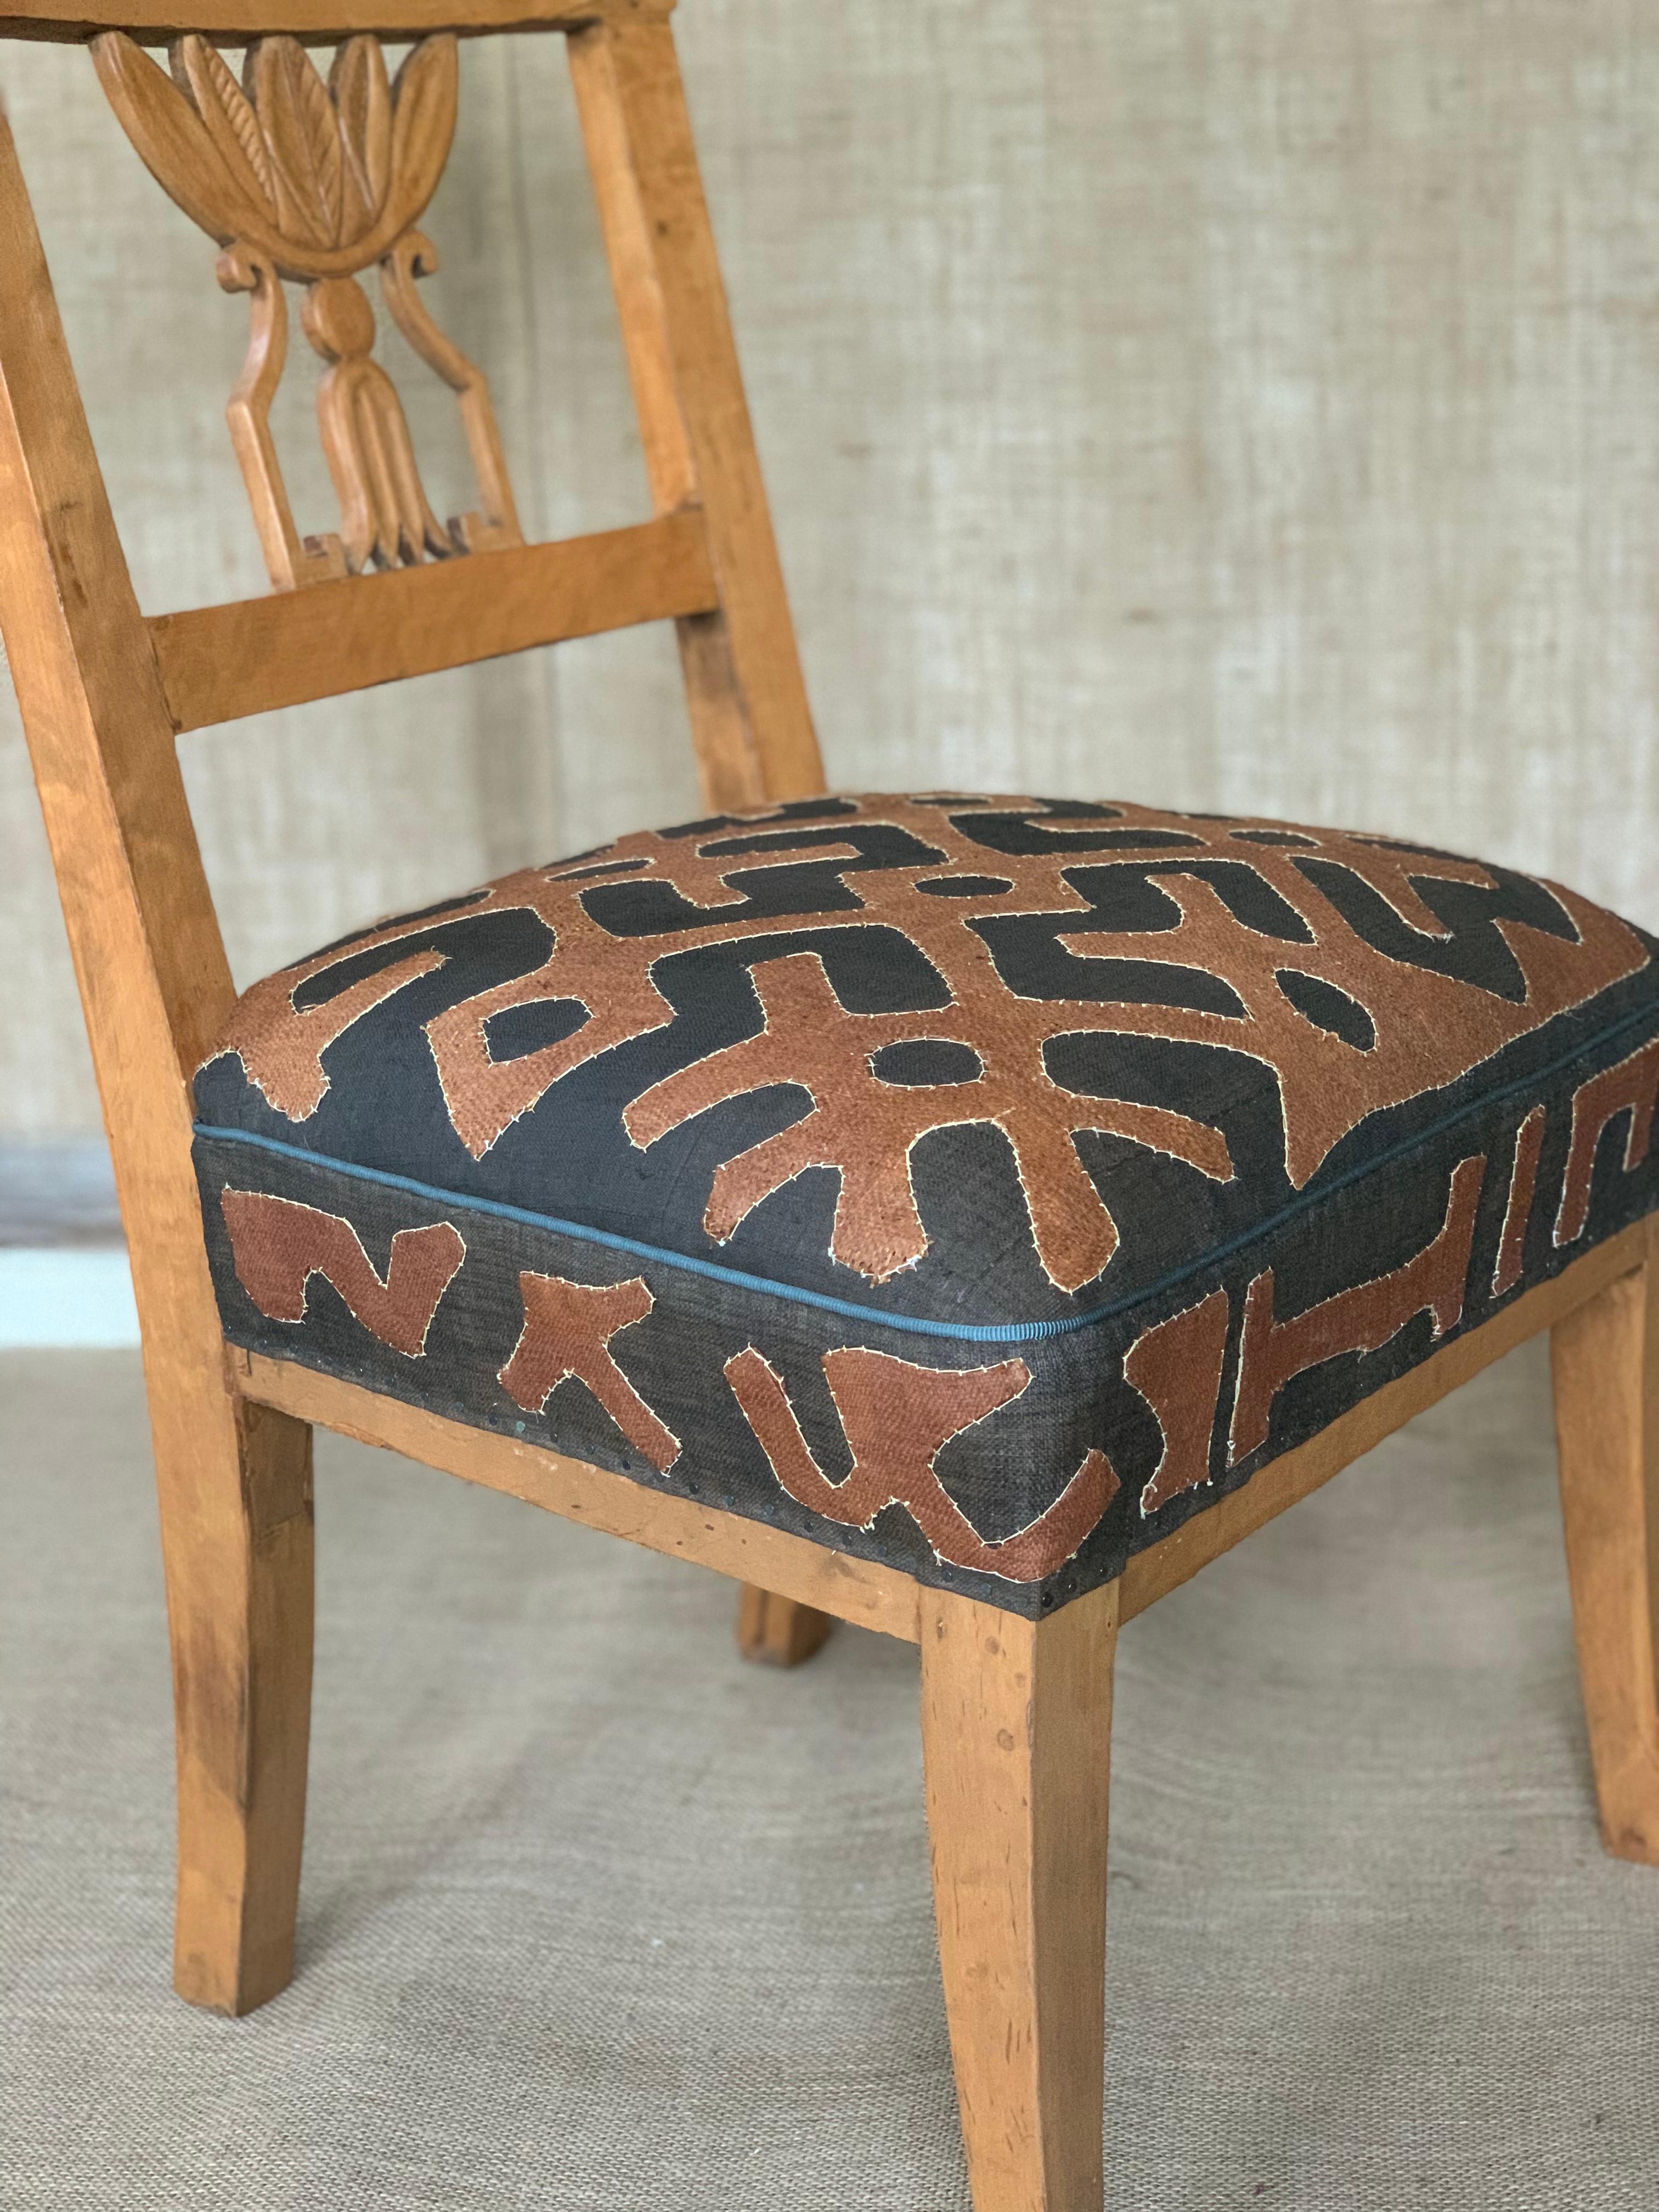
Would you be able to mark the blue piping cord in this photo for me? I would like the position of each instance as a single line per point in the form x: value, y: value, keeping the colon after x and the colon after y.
x: 1029, y: 1332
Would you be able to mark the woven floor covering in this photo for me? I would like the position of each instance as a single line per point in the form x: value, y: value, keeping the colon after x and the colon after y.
x: 595, y: 1916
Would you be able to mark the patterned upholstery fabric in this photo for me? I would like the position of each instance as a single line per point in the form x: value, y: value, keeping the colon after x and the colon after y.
x: 981, y: 1185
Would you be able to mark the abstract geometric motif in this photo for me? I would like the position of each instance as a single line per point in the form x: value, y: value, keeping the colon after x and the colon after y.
x: 1361, y: 1319
x: 864, y: 1125
x: 1518, y: 1212
x: 1003, y: 1181
x: 1176, y: 1367
x: 279, y: 1246
x: 1632, y: 1087
x: 567, y: 1328
x: 1355, y: 972
x: 897, y: 1418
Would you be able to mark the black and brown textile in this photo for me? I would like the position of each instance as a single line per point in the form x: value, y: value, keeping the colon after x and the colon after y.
x: 981, y: 1185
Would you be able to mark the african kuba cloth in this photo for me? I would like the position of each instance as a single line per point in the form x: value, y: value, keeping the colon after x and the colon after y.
x: 984, y: 1186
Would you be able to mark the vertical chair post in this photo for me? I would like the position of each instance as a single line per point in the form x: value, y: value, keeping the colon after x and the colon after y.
x: 1606, y: 1363
x: 749, y: 718
x: 777, y: 1631
x: 1015, y: 1731
x: 234, y: 1484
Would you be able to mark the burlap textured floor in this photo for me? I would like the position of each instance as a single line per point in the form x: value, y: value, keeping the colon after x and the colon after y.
x: 596, y: 1917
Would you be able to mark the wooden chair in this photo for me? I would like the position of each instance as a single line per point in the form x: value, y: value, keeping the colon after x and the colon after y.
x: 1403, y: 1135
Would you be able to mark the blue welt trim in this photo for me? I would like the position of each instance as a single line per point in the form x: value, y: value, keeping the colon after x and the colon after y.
x: 1027, y: 1332
x: 1019, y: 1332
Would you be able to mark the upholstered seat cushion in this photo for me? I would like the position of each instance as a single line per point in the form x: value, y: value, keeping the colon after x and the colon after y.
x: 984, y: 1185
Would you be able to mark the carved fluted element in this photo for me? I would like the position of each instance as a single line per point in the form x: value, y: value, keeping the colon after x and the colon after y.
x: 287, y: 562
x: 414, y: 255
x: 312, y: 182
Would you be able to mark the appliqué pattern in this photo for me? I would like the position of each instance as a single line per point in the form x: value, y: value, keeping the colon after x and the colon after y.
x: 279, y: 1246
x: 1226, y: 1124
x: 897, y: 1418
x: 567, y: 1328
x: 1022, y: 926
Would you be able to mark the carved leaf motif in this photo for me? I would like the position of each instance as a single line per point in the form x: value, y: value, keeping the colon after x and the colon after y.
x: 332, y: 176
x: 200, y: 70
x: 303, y: 134
x: 424, y: 124
x: 362, y: 98
x: 312, y: 182
x: 173, y: 143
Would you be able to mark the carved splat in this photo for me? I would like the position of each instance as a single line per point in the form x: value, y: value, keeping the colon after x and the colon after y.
x: 312, y: 184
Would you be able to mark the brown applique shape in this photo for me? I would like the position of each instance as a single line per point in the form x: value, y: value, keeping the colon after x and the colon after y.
x: 287, y: 1068
x: 1176, y: 1368
x: 1362, y: 1319
x: 1428, y: 1028
x: 1632, y: 1087
x: 1517, y: 1210
x: 567, y: 1328
x: 866, y: 1128
x: 278, y: 1245
x: 896, y: 1419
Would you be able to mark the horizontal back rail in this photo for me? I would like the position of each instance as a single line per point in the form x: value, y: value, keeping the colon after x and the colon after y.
x: 220, y: 662
x: 314, y: 22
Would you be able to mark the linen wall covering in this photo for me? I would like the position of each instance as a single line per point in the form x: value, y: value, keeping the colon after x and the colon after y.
x: 1221, y: 403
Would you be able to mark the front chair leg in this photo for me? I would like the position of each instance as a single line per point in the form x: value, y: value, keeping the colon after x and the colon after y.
x: 1605, y: 1360
x: 775, y: 1632
x: 1016, y: 1731
x: 234, y: 1482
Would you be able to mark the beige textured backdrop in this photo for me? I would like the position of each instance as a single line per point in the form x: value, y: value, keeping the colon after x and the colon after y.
x: 1240, y: 404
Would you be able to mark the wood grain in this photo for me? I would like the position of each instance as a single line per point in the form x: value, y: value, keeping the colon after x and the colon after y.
x: 497, y: 525
x: 280, y: 168
x: 234, y: 1486
x: 852, y: 1590
x: 750, y: 721
x: 289, y: 562
x: 775, y: 1632
x: 219, y: 662
x: 314, y: 22
x: 316, y: 182
x: 1016, y: 1731
x: 1153, y: 1573
x: 1606, y: 1361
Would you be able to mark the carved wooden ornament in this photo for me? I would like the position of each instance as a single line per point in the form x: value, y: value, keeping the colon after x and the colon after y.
x: 314, y: 183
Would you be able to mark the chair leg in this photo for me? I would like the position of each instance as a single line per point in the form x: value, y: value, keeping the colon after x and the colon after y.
x: 1015, y: 1731
x: 1606, y: 1359
x: 234, y: 1483
x: 775, y: 1632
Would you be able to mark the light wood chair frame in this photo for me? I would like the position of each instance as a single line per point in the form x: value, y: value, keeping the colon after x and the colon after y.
x: 1015, y: 1714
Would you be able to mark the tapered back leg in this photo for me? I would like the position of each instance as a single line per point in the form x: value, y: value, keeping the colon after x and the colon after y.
x: 1016, y: 1721
x: 776, y: 1632
x: 1606, y: 1359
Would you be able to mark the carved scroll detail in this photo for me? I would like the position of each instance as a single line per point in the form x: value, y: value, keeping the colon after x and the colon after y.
x: 414, y: 255
x: 288, y: 563
x: 312, y: 182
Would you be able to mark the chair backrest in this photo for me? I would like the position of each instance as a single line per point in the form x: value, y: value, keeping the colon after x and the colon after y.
x: 312, y: 182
